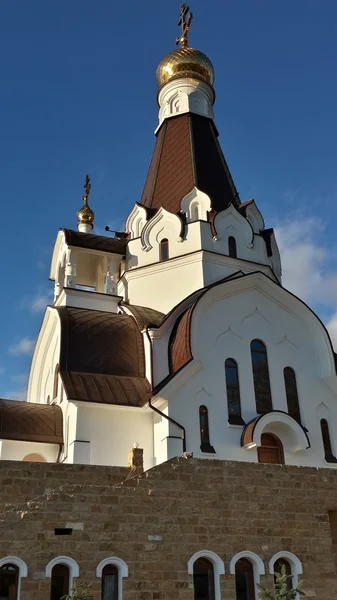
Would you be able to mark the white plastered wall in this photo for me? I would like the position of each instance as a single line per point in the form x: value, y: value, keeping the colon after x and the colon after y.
x: 45, y: 358
x: 112, y: 430
x: 18, y: 450
x: 224, y: 322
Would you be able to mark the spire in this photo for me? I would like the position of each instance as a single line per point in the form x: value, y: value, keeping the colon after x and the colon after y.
x: 187, y: 152
x: 85, y: 215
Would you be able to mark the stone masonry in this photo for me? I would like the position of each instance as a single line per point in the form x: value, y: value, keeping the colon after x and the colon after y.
x: 155, y: 521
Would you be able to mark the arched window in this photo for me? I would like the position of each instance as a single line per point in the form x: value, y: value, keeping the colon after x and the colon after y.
x: 271, y: 450
x: 164, y: 250
x: 205, y: 444
x: 232, y: 247
x: 9, y: 582
x: 112, y: 571
x: 279, y: 564
x: 244, y: 580
x: 110, y: 583
x: 56, y: 381
x: 291, y: 393
x: 233, y: 392
x: 203, y: 579
x: 61, y: 570
x: 12, y: 569
x: 60, y: 582
x: 261, y: 377
x: 195, y: 212
x: 329, y: 456
x: 292, y: 564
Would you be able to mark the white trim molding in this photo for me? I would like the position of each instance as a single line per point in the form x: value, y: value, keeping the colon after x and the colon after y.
x: 295, y: 565
x: 20, y: 564
x: 218, y: 567
x: 258, y: 566
x: 74, y: 569
x: 123, y: 570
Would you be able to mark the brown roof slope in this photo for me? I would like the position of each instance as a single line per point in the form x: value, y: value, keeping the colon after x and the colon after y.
x: 180, y: 352
x: 95, y: 242
x: 30, y: 422
x: 144, y: 316
x: 102, y: 357
x: 187, y: 153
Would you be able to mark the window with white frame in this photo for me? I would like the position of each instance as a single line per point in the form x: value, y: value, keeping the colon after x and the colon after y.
x: 112, y: 571
x: 12, y: 569
x: 292, y: 565
x: 247, y: 568
x: 61, y: 571
x: 206, y: 568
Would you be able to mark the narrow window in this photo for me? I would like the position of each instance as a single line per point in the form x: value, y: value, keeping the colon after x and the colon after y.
x: 233, y: 392
x: 9, y: 582
x: 195, y: 212
x: 244, y: 580
x: 205, y: 445
x: 56, y: 381
x: 333, y: 530
x: 59, y: 582
x: 203, y: 580
x: 232, y: 247
x: 282, y: 562
x: 110, y: 583
x: 329, y: 457
x: 291, y: 393
x: 164, y: 250
x: 261, y: 377
x: 271, y: 450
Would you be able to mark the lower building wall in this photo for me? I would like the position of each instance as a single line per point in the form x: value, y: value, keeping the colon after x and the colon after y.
x: 157, y: 520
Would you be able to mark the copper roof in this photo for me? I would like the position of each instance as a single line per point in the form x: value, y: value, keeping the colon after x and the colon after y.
x: 180, y: 352
x: 102, y: 357
x: 30, y: 422
x: 187, y: 153
x: 95, y: 242
x: 144, y: 316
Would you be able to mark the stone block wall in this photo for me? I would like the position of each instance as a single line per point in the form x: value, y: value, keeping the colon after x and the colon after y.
x: 156, y: 520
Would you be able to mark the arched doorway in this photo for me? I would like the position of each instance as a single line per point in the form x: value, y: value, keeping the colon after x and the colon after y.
x: 9, y: 582
x: 271, y: 450
x: 203, y: 580
x: 34, y: 457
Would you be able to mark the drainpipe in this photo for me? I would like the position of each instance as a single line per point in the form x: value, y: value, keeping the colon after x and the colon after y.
x: 183, y: 431
x: 59, y: 453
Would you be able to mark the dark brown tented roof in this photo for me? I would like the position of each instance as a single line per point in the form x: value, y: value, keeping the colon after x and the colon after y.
x: 95, y: 242
x: 102, y: 357
x: 144, y: 316
x: 30, y: 422
x: 187, y: 153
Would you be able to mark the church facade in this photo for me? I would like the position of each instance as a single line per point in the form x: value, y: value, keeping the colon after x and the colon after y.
x: 179, y: 434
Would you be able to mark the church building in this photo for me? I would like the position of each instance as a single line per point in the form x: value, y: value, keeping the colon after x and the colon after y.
x: 179, y: 438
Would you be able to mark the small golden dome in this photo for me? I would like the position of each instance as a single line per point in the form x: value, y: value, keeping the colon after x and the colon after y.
x: 85, y: 215
x: 185, y: 62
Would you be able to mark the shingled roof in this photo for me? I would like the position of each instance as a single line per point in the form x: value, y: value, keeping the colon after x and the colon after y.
x: 95, y: 242
x: 187, y: 153
x: 102, y: 357
x: 30, y: 422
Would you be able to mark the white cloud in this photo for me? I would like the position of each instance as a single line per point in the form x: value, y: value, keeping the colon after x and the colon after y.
x: 306, y: 267
x: 24, y: 346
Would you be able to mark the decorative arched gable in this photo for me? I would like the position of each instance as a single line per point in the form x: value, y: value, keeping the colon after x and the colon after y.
x: 136, y: 221
x: 163, y: 224
x: 230, y: 222
x: 196, y: 199
x: 254, y: 217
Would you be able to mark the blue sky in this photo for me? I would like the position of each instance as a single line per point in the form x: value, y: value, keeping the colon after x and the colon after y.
x: 78, y: 94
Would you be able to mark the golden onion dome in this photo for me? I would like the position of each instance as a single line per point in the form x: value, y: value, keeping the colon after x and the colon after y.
x: 85, y: 215
x: 185, y: 62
